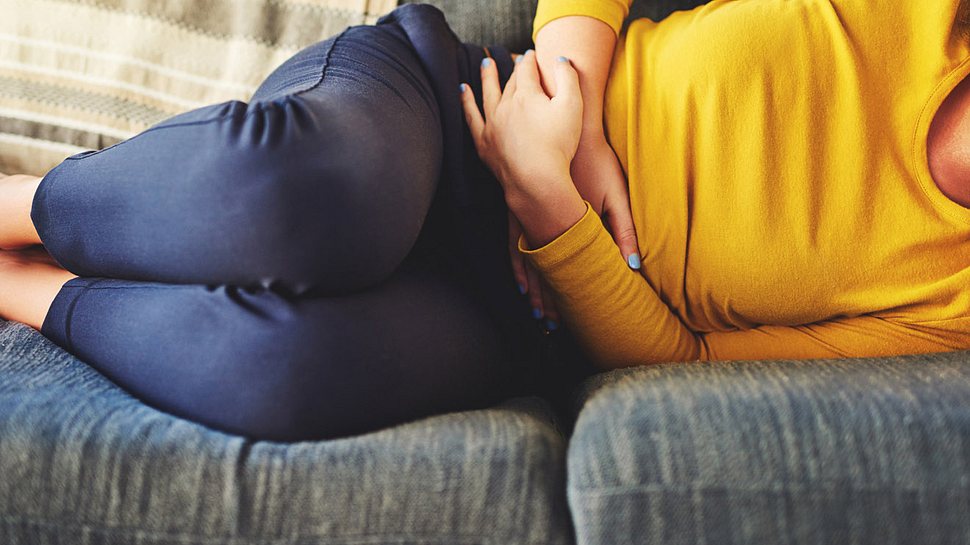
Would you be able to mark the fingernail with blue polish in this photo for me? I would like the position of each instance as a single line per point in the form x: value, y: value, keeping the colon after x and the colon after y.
x: 562, y: 59
x: 551, y: 325
x: 462, y: 87
x: 521, y: 289
x: 633, y: 261
x: 519, y: 59
x: 486, y: 61
x: 536, y: 313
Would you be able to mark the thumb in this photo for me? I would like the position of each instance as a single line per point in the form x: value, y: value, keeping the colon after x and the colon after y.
x: 624, y: 232
x: 567, y: 81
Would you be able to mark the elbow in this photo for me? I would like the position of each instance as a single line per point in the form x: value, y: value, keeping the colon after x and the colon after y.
x: 608, y: 360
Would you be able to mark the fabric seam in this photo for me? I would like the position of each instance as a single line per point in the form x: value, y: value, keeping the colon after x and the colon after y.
x: 919, y: 161
x: 69, y: 314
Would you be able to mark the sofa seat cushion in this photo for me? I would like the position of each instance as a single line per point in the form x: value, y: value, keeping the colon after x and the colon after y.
x: 82, y: 462
x: 852, y: 451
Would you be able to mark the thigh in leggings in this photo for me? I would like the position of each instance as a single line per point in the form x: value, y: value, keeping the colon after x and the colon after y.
x: 319, y: 184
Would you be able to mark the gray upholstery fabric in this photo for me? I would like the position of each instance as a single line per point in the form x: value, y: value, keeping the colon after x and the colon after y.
x: 853, y: 451
x: 82, y: 462
x: 509, y: 22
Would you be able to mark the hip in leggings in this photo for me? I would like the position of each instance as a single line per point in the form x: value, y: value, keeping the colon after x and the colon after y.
x: 326, y: 259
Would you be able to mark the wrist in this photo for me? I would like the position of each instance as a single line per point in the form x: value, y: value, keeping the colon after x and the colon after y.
x: 548, y: 213
x: 529, y: 190
x: 593, y: 132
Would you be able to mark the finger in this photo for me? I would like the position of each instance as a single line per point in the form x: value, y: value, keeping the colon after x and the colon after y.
x: 510, y: 86
x: 535, y: 291
x: 528, y: 72
x: 622, y: 229
x: 472, y: 115
x: 567, y: 81
x: 491, y: 90
x: 549, y: 305
x: 518, y: 261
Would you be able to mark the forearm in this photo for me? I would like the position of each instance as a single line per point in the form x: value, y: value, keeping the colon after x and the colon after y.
x: 546, y: 210
x: 589, y: 44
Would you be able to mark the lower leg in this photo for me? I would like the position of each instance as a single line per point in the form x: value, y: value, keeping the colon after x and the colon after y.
x: 268, y: 366
x: 29, y: 281
x: 16, y: 197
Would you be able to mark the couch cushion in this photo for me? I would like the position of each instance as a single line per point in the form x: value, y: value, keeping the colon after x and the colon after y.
x: 83, y: 462
x: 853, y: 451
x: 509, y: 22
x: 85, y: 74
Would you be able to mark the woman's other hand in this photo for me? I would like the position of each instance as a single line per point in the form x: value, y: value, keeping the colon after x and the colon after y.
x: 529, y: 281
x: 528, y: 140
x: 600, y: 180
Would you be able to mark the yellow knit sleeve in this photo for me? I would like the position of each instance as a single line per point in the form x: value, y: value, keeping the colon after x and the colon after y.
x: 611, y: 12
x: 612, y: 311
x: 620, y: 321
x: 855, y: 337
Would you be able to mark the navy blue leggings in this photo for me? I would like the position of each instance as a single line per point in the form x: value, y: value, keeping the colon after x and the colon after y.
x: 327, y: 259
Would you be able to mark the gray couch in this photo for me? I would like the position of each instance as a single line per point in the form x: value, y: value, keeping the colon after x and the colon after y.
x: 860, y: 451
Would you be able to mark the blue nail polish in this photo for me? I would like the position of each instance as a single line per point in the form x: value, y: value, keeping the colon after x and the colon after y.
x: 551, y: 325
x: 633, y: 261
x: 536, y: 313
x: 561, y: 59
x: 486, y: 61
x: 527, y: 51
x: 521, y: 289
x: 519, y: 59
x: 462, y: 87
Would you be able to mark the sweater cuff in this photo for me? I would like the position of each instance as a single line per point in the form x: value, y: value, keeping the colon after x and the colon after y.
x: 611, y: 12
x: 566, y: 245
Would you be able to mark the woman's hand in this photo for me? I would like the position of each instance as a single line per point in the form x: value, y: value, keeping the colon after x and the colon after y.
x: 598, y: 176
x: 596, y: 171
x: 528, y: 140
x: 527, y: 277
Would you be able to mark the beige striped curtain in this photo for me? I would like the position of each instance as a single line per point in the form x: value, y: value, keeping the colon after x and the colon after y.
x: 85, y: 74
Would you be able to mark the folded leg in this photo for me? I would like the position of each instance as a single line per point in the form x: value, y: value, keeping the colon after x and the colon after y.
x: 321, y: 182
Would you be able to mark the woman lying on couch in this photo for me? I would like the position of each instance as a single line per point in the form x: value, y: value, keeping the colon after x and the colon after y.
x: 341, y: 253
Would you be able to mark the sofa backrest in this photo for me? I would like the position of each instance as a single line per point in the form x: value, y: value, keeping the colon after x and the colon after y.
x: 84, y: 74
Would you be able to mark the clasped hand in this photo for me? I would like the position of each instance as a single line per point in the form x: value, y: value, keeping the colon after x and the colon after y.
x: 528, y: 140
x: 542, y: 150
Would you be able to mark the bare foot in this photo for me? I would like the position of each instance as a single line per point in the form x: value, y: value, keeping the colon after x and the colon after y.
x: 16, y: 198
x: 29, y: 281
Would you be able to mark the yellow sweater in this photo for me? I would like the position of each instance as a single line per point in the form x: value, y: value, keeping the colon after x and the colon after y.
x: 776, y: 157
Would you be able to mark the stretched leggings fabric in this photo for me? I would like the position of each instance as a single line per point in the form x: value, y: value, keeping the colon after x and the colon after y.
x: 326, y: 259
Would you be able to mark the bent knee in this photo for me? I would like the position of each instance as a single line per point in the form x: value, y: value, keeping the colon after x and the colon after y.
x: 345, y: 193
